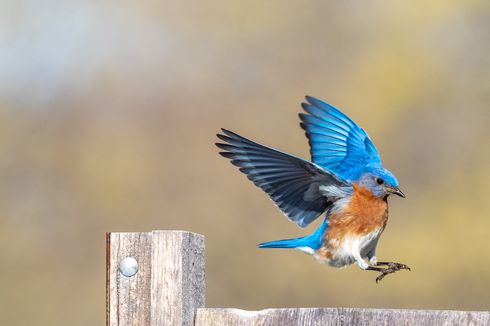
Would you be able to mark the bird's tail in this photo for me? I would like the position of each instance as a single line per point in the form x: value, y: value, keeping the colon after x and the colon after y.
x: 309, y: 243
x: 286, y: 243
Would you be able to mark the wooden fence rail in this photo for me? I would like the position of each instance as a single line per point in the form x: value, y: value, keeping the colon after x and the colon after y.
x: 157, y: 278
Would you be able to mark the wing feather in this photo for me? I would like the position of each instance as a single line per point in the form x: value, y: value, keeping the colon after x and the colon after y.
x: 337, y: 143
x: 291, y: 182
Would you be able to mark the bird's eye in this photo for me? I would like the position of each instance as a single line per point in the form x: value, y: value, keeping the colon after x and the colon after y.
x: 379, y: 181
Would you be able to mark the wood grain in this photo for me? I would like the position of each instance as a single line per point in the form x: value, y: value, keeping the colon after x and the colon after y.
x: 177, y: 282
x: 128, y: 297
x: 169, y: 285
x: 339, y: 316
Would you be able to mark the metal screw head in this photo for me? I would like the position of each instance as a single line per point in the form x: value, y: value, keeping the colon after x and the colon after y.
x: 128, y: 266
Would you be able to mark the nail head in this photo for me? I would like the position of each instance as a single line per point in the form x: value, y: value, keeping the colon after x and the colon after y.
x: 128, y: 266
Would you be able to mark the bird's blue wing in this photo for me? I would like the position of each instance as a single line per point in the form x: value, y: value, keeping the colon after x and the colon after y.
x: 291, y: 182
x: 337, y: 143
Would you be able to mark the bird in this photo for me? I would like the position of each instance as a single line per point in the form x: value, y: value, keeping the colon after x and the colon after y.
x: 345, y: 179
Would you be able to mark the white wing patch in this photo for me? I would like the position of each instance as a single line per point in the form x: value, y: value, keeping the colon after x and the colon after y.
x: 335, y: 191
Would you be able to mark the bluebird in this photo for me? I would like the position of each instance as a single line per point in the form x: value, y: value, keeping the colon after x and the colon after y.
x: 345, y: 179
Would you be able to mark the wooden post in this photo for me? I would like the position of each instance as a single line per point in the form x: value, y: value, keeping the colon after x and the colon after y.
x: 154, y: 278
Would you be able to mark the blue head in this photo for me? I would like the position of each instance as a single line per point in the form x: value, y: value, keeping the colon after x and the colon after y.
x: 380, y: 181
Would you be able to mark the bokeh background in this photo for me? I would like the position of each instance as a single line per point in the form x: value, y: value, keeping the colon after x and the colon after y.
x: 108, y: 115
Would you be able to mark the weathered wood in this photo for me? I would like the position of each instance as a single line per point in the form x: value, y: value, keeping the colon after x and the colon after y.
x: 177, y: 280
x: 128, y: 298
x: 339, y: 316
x: 169, y: 284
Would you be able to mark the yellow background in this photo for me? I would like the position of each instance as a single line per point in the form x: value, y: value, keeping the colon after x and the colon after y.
x: 108, y: 115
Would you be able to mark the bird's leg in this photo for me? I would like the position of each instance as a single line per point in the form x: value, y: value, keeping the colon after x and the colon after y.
x: 371, y: 255
x: 360, y: 262
x: 374, y: 265
x: 392, y: 268
x: 392, y: 265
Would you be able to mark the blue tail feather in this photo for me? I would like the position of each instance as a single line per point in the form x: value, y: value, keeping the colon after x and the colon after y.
x: 313, y: 241
x: 286, y: 243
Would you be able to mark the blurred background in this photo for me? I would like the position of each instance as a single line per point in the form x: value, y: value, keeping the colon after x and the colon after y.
x: 108, y: 116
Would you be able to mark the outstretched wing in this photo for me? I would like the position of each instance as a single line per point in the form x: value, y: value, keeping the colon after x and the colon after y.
x: 291, y: 182
x: 337, y: 143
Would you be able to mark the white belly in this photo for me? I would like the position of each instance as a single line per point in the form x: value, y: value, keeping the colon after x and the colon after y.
x: 345, y: 252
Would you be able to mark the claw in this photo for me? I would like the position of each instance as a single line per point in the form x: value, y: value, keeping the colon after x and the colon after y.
x: 392, y: 268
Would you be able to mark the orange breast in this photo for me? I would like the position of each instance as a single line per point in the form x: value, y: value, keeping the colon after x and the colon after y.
x: 364, y: 214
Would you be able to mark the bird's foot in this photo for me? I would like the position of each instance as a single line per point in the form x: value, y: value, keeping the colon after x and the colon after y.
x: 391, y: 268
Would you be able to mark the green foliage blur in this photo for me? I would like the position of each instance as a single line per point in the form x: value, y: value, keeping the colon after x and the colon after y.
x: 108, y: 116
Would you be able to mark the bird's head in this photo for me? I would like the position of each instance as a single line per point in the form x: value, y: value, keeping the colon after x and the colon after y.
x: 380, y: 181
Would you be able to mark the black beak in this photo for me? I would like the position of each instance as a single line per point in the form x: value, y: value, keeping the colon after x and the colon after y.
x: 398, y: 192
